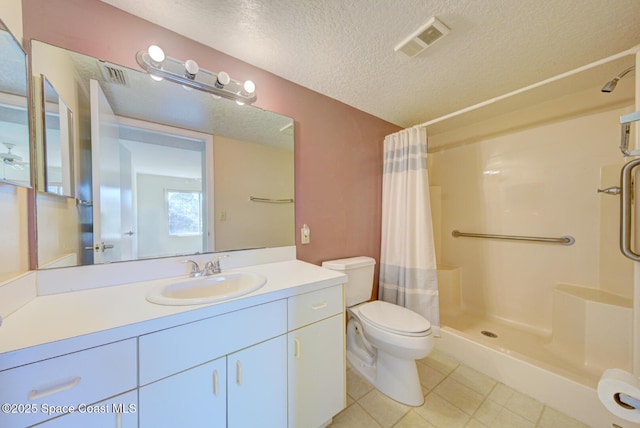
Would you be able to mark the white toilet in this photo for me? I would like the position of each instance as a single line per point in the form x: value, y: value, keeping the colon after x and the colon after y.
x: 383, y: 340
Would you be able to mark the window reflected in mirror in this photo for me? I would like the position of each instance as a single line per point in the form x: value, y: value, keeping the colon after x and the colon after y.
x: 184, y: 212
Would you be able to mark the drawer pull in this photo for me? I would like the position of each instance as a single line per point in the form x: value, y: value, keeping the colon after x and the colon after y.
x: 319, y: 306
x: 238, y: 373
x: 215, y: 383
x: 54, y: 389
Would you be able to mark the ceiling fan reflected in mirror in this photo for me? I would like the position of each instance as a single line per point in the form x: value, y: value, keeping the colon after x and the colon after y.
x: 11, y: 159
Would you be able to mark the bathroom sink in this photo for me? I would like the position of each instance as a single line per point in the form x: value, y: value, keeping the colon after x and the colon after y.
x: 207, y: 289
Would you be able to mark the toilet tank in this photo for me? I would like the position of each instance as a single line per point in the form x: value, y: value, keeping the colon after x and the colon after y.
x: 359, y: 270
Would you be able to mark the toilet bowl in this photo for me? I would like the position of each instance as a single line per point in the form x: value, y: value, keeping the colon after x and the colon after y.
x: 383, y: 340
x: 385, y: 353
x: 395, y: 329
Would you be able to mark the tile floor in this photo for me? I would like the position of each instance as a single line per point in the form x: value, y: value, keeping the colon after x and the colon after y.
x: 456, y: 396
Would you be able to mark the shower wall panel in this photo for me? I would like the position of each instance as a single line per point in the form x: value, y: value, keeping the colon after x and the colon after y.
x: 540, y: 181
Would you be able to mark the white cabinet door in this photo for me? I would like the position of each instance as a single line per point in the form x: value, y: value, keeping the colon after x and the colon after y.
x: 117, y: 412
x: 257, y: 385
x: 193, y: 398
x: 316, y: 373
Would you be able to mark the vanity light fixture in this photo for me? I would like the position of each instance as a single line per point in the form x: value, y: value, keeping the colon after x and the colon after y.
x: 191, y: 69
x: 190, y: 75
x: 156, y: 54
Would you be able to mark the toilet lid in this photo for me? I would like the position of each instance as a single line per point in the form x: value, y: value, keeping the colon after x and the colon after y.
x: 394, y: 318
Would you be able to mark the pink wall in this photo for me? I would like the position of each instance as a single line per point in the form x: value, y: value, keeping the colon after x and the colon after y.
x: 338, y: 151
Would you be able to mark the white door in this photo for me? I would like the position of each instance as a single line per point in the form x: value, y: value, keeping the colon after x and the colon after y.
x: 193, y: 398
x: 257, y: 385
x: 316, y: 373
x: 127, y: 218
x: 106, y: 177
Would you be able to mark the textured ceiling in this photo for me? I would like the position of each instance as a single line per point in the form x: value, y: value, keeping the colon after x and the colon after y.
x: 344, y: 48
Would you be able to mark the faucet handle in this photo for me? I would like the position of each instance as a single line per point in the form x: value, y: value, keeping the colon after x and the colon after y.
x: 195, y: 268
x: 215, y: 263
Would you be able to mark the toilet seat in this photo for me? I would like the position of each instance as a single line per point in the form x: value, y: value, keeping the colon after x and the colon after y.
x: 394, y: 319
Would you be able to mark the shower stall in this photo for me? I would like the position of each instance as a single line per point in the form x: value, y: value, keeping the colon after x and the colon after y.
x: 534, y: 290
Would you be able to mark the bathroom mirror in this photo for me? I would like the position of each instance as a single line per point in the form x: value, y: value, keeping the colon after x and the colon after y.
x: 14, y: 115
x: 161, y: 170
x: 57, y: 143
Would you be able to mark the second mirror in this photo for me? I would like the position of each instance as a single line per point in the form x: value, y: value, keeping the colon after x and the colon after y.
x: 58, y: 142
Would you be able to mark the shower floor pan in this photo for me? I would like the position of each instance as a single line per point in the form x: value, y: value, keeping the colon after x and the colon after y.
x: 520, y: 344
x: 526, y: 362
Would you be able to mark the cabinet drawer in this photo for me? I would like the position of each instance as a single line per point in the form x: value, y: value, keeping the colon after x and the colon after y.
x: 120, y: 411
x: 170, y: 351
x: 310, y: 307
x: 42, y: 390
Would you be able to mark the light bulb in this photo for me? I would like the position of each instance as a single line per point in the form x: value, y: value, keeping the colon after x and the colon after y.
x: 156, y: 53
x: 192, y: 68
x: 222, y: 79
x: 249, y: 87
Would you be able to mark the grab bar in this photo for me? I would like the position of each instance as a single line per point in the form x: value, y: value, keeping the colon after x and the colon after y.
x: 564, y: 240
x: 271, y: 201
x: 626, y: 193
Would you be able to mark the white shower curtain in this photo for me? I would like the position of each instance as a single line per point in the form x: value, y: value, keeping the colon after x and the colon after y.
x: 408, y: 273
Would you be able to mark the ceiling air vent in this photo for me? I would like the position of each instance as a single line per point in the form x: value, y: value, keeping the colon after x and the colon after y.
x: 113, y: 74
x: 424, y: 37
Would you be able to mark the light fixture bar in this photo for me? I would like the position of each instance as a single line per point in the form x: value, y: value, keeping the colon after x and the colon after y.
x: 218, y: 84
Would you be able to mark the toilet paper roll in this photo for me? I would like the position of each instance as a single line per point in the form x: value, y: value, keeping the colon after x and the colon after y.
x: 619, y: 391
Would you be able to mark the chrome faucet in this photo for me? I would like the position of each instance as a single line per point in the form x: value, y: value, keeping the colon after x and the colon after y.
x: 213, y: 266
x: 195, y: 269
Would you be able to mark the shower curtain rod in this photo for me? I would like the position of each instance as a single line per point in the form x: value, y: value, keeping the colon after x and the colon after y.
x: 564, y: 240
x: 622, y: 54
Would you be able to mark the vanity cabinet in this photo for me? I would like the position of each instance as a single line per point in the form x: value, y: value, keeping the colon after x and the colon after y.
x: 277, y: 364
x: 316, y: 368
x: 227, y: 370
x: 167, y: 352
x: 245, y: 389
x: 46, y: 389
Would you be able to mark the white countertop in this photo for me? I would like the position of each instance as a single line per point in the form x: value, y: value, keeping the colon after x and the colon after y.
x: 55, y: 324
